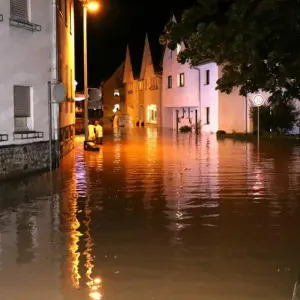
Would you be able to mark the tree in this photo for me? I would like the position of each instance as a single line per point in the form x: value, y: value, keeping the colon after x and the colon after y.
x: 255, y: 41
x: 280, y: 116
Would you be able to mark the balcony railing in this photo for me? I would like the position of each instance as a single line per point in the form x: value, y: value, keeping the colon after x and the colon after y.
x: 3, y: 137
x: 24, y: 24
x: 26, y: 135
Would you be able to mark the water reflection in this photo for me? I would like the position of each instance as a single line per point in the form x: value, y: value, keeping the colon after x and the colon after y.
x: 155, y: 215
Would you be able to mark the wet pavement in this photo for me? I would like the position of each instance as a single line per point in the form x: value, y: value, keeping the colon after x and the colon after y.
x: 155, y: 216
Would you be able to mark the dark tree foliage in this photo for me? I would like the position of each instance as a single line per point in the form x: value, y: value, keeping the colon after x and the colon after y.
x: 256, y: 42
x: 279, y: 116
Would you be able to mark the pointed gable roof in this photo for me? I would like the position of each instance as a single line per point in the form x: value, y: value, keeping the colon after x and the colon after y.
x: 151, y: 55
x: 147, y: 57
x: 128, y: 72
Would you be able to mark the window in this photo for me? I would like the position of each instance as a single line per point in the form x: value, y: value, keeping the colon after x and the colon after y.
x: 67, y: 82
x: 207, y: 77
x: 207, y: 116
x: 19, y: 10
x: 140, y: 85
x: 180, y: 80
x: 22, y: 107
x: 152, y: 113
x: 130, y: 87
x: 154, y: 83
x: 170, y: 53
x: 178, y: 48
x: 169, y: 82
x: 116, y: 93
x: 71, y: 85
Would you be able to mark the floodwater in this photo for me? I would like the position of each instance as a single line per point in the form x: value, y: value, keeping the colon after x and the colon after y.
x: 155, y: 216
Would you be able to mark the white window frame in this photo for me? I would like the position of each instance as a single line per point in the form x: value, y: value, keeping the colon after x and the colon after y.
x: 26, y: 120
x: 180, y: 80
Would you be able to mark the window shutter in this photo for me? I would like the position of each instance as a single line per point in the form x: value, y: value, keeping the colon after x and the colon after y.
x: 19, y: 9
x: 22, y: 101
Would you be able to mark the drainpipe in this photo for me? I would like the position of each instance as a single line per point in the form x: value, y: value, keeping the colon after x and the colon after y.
x: 199, y: 94
x: 54, y: 132
x: 246, y: 113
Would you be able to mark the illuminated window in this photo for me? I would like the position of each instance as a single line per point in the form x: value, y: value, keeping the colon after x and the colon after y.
x: 170, y: 53
x: 178, y: 48
x: 116, y: 93
x: 140, y: 85
x: 180, y: 80
x: 207, y: 75
x: 116, y: 108
x: 169, y: 83
x: 152, y: 113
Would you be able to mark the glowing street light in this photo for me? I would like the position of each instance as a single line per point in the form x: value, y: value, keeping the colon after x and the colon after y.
x: 93, y: 6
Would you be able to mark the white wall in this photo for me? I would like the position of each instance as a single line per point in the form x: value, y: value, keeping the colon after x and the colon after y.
x: 25, y: 60
x: 188, y: 95
x: 209, y: 97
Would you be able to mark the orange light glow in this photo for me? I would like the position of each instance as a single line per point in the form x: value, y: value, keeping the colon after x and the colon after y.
x: 93, y: 6
x: 95, y: 295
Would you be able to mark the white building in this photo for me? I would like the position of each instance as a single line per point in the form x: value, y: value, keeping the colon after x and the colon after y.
x: 189, y: 97
x: 31, y: 57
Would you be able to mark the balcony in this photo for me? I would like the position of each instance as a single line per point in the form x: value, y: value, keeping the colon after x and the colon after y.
x: 3, y: 137
x: 1, y: 18
x: 26, y: 135
x: 14, y: 22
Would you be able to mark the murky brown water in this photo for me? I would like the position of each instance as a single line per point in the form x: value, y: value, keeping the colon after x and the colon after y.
x: 155, y: 216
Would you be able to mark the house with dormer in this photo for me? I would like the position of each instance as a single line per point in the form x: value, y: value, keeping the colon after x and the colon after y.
x: 143, y: 87
x: 190, y: 98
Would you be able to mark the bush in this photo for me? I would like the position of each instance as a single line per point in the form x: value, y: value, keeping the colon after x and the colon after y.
x: 185, y: 129
x: 221, y: 132
x: 279, y: 116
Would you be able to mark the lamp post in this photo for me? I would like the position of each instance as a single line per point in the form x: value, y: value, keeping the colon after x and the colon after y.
x: 91, y: 6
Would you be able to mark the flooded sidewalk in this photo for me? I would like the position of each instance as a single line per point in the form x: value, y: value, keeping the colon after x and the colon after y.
x: 155, y: 215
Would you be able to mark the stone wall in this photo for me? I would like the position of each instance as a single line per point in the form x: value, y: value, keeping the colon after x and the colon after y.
x: 67, y: 135
x: 17, y: 160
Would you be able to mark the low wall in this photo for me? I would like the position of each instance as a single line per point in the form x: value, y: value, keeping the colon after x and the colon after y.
x: 17, y: 160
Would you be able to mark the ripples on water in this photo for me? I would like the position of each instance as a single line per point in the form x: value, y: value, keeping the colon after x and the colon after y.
x: 155, y: 216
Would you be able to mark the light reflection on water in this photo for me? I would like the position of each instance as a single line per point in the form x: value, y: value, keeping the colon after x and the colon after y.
x: 155, y: 216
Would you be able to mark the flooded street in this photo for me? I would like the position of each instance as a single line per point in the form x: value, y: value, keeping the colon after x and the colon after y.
x: 155, y: 216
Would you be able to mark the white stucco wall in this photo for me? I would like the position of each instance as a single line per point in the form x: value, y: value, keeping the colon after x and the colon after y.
x: 187, y: 97
x: 209, y: 97
x: 25, y: 60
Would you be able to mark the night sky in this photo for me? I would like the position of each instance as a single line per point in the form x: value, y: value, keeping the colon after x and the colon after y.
x: 118, y: 23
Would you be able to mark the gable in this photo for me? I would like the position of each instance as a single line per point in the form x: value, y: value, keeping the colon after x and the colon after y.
x: 147, y: 58
x: 128, y: 72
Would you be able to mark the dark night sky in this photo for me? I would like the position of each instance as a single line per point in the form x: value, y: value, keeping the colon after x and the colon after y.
x: 118, y: 23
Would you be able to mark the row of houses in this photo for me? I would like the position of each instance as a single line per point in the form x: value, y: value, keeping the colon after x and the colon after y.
x: 165, y: 93
x: 37, y: 51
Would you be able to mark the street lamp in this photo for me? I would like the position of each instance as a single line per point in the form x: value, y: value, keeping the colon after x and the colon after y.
x: 91, y: 6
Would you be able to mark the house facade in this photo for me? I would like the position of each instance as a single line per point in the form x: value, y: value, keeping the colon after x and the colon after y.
x: 114, y: 94
x: 32, y: 61
x: 143, y: 92
x: 190, y: 98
